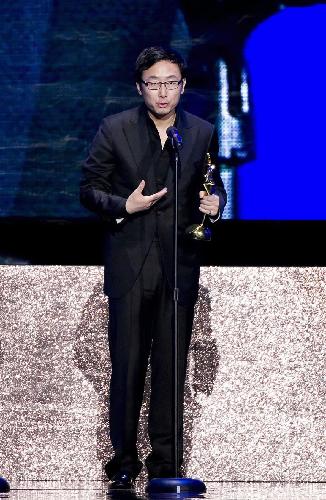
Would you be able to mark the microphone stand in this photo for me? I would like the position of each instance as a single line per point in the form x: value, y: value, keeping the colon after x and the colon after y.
x: 178, y: 485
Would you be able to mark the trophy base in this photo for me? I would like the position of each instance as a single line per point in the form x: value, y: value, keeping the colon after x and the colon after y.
x: 199, y: 232
x: 176, y: 487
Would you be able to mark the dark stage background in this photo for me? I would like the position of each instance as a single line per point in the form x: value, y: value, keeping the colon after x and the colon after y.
x: 255, y: 70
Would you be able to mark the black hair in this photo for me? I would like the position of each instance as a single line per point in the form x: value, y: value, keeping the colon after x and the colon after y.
x: 152, y: 55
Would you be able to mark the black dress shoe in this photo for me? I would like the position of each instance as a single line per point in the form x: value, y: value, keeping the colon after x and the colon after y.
x: 122, y: 481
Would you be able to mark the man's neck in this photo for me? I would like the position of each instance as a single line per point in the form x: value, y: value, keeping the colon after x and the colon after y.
x: 164, y: 122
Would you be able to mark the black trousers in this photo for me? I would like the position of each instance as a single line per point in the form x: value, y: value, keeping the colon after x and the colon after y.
x: 141, y: 328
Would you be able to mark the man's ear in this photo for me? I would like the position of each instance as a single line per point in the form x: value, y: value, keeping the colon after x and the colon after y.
x: 138, y: 88
x: 183, y: 85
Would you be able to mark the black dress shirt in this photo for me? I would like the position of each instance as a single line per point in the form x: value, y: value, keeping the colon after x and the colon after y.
x: 162, y: 159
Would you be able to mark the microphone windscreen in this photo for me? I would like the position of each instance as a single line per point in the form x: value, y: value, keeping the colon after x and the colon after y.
x: 171, y: 132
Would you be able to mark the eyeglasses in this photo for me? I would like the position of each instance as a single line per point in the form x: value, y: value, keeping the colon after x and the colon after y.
x: 157, y: 85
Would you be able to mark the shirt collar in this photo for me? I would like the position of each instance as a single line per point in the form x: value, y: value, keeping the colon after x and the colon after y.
x: 150, y: 122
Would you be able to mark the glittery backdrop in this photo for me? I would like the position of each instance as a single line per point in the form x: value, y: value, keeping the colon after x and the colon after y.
x: 255, y: 395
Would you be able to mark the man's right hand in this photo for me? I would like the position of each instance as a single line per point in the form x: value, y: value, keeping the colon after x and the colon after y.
x: 137, y: 202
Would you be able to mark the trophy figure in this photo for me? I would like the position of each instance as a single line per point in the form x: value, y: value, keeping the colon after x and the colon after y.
x: 200, y: 231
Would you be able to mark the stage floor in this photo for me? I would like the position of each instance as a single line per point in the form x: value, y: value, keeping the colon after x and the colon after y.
x: 97, y: 490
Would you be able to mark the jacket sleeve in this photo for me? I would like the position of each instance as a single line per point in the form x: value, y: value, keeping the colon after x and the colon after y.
x: 96, y: 186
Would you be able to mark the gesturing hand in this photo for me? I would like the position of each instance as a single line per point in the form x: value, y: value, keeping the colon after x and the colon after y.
x: 137, y: 202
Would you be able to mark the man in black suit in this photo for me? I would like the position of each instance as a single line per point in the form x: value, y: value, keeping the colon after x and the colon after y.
x: 128, y: 179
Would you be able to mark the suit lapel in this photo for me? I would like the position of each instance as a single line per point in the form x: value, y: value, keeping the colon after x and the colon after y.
x: 189, y: 136
x: 136, y: 133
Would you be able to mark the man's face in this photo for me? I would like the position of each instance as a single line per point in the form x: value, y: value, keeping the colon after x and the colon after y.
x: 161, y: 102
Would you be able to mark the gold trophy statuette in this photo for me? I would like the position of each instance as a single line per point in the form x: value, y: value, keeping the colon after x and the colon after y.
x: 199, y: 231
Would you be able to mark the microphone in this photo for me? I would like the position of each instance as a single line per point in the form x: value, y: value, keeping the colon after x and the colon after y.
x: 176, y: 139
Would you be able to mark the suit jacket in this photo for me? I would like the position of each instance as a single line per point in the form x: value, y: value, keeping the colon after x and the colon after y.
x: 118, y: 160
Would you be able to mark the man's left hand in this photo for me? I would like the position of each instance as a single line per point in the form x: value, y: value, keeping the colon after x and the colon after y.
x: 209, y: 203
